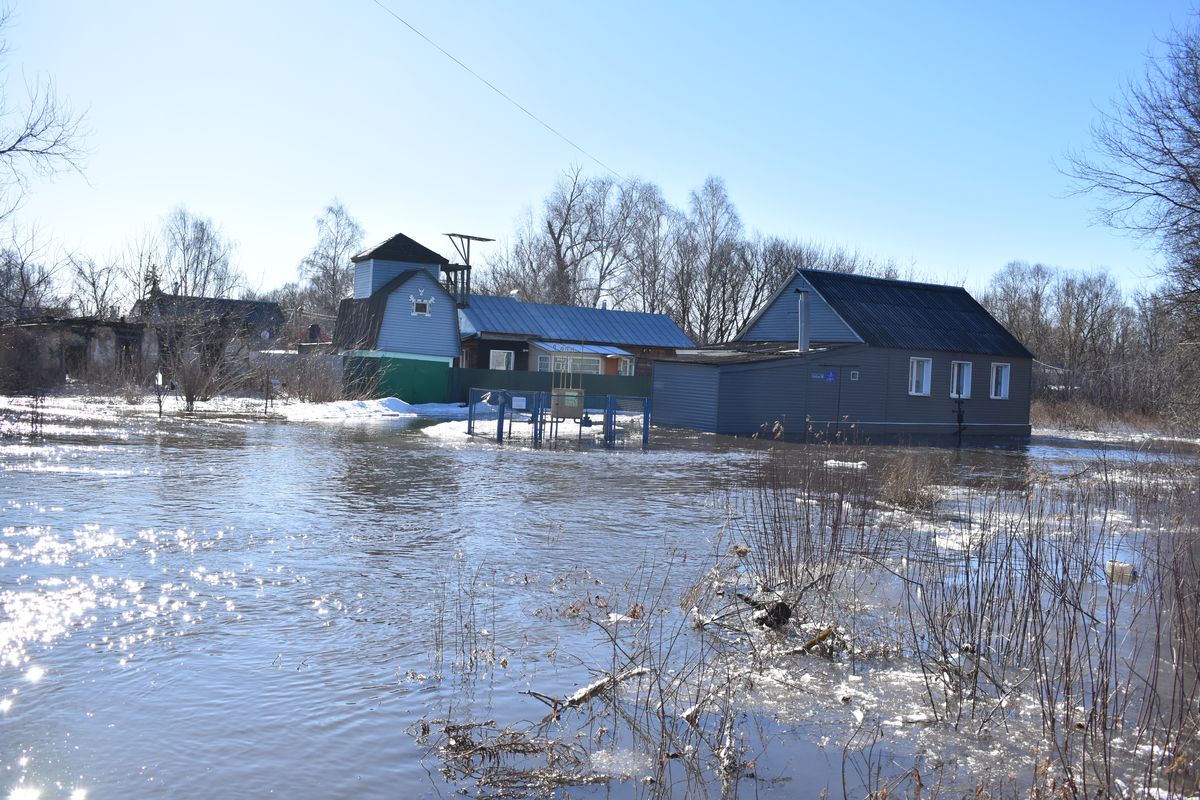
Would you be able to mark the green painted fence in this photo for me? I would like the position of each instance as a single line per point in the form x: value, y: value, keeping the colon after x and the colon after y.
x: 412, y: 380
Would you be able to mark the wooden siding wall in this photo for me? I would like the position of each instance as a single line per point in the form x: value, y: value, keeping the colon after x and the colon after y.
x: 373, y: 273
x: 434, y: 335
x: 780, y: 322
x: 685, y: 395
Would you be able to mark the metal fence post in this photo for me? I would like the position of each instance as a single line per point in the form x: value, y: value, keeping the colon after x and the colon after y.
x: 645, y: 421
x: 471, y: 412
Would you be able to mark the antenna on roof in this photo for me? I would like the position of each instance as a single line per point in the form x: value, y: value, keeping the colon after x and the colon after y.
x: 458, y: 276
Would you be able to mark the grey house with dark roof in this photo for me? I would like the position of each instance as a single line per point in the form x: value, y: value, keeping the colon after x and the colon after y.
x: 850, y: 356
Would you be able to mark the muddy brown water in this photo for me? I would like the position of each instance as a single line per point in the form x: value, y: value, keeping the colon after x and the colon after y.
x: 235, y: 607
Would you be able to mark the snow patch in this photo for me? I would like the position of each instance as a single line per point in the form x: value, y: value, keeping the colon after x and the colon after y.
x: 835, y: 464
x: 622, y: 763
x: 343, y: 410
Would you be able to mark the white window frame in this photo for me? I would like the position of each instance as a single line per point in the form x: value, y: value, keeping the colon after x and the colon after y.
x: 507, y: 360
x: 426, y: 301
x: 926, y: 375
x: 543, y: 363
x: 1006, y: 368
x: 592, y: 364
x: 625, y: 366
x: 963, y: 368
x: 573, y: 364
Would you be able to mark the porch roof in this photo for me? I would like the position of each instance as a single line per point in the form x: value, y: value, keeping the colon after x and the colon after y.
x: 597, y: 349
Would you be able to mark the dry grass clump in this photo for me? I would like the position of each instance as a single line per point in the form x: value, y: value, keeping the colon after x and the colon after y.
x: 1084, y: 416
x: 910, y: 481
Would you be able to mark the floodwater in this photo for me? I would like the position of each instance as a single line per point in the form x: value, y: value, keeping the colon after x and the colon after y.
x: 238, y: 607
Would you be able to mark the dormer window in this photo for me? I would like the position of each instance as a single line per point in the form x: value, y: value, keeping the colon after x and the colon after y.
x: 422, y: 306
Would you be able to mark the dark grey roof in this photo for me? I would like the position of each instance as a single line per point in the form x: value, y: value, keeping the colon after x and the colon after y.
x: 256, y: 314
x: 358, y: 321
x: 485, y: 314
x: 749, y: 353
x: 918, y: 316
x: 401, y: 248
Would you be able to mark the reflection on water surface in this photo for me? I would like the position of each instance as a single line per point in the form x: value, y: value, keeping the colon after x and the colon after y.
x: 247, y: 607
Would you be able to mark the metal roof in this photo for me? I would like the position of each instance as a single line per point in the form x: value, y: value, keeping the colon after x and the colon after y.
x: 918, y: 316
x: 543, y: 321
x: 595, y: 349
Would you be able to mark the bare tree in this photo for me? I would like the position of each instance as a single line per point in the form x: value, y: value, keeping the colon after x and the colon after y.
x: 570, y: 240
x: 575, y: 252
x: 654, y: 224
x: 327, y: 268
x: 1020, y: 296
x: 195, y: 257
x: 610, y: 225
x: 98, y: 289
x: 139, y: 264
x: 39, y: 137
x: 715, y: 231
x: 27, y: 282
x: 517, y: 267
x: 203, y: 353
x: 1147, y: 163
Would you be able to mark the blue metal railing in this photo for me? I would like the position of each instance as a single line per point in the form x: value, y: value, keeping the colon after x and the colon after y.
x: 508, y: 405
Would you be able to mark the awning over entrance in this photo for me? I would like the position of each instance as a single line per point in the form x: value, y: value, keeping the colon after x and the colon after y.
x: 595, y: 349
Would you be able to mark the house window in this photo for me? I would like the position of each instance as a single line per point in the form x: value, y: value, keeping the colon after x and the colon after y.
x: 919, y: 372
x: 501, y: 359
x: 960, y: 379
x: 589, y: 365
x: 421, y: 306
x: 625, y: 367
x: 1000, y: 373
x: 853, y: 374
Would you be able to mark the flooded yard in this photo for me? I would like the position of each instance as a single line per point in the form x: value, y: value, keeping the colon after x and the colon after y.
x: 238, y: 606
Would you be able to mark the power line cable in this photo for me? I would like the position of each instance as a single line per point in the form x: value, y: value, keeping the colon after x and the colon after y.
x: 493, y: 87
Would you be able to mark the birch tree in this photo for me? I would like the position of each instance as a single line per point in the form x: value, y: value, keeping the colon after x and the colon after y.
x: 327, y: 268
x: 196, y: 257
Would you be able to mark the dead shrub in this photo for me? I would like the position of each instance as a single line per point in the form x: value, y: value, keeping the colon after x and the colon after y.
x: 909, y: 481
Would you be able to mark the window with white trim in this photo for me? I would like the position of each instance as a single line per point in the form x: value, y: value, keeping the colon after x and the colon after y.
x: 584, y: 364
x: 625, y: 367
x: 1000, y: 375
x: 960, y: 379
x: 920, y: 370
x: 501, y: 359
x: 421, y: 306
x: 588, y: 365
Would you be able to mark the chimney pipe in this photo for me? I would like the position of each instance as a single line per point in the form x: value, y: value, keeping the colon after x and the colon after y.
x: 802, y: 321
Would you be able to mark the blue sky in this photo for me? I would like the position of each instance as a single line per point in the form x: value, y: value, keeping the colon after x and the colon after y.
x: 931, y: 133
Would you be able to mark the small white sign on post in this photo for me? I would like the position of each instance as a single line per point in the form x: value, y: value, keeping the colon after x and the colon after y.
x: 518, y: 403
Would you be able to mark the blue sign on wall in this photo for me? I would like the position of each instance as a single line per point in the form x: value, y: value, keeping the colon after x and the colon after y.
x: 828, y: 377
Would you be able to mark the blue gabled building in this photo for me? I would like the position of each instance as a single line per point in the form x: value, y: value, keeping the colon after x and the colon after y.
x: 412, y: 321
x: 843, y: 355
x: 399, y: 332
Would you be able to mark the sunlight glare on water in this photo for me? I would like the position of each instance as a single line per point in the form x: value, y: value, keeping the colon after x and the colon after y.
x: 193, y: 607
